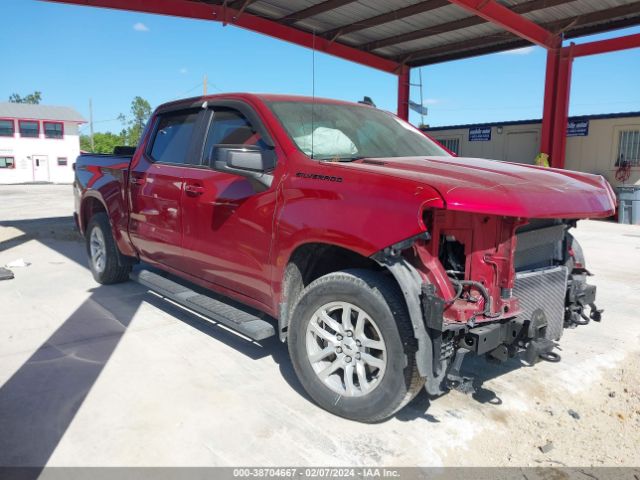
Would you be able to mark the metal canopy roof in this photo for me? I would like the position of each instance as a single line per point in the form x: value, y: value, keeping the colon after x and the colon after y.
x: 395, y: 35
x: 423, y: 32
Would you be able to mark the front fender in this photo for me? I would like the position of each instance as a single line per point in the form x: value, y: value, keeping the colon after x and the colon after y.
x: 362, y: 213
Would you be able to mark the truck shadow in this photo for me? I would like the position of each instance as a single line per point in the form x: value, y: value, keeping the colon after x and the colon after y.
x: 480, y: 371
x: 272, y: 346
x: 41, y: 399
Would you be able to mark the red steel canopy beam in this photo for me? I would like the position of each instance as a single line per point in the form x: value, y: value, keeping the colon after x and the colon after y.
x: 550, y: 96
x: 561, y: 107
x: 226, y: 14
x: 606, y: 46
x: 558, y: 88
x: 493, y: 12
x: 404, y: 86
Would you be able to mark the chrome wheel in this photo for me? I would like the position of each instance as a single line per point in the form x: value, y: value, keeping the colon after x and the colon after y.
x: 346, y: 349
x: 98, y: 250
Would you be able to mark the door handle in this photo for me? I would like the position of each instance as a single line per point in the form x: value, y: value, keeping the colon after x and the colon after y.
x: 194, y: 190
x: 136, y: 180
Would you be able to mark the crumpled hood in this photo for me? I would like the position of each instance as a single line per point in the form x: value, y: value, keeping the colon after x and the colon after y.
x: 503, y: 188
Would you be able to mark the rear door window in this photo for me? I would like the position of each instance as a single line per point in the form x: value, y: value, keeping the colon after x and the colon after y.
x: 173, y: 138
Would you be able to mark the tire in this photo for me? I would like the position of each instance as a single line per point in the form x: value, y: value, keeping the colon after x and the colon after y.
x: 107, y: 270
x: 385, y: 390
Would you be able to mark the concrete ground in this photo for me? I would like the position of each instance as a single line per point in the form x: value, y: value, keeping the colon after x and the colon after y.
x: 115, y: 376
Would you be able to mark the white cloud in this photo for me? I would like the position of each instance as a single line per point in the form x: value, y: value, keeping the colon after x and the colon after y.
x: 140, y: 27
x: 183, y: 71
x: 519, y: 51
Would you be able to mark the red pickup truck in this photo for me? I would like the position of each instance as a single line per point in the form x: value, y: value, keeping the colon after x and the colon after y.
x: 381, y: 259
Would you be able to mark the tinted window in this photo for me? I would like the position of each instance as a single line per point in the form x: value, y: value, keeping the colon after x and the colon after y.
x: 6, y: 128
x: 62, y: 161
x: 29, y: 128
x: 230, y: 127
x: 53, y: 130
x: 173, y: 137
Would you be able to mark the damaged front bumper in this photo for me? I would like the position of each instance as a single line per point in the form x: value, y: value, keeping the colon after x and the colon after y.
x: 531, y: 333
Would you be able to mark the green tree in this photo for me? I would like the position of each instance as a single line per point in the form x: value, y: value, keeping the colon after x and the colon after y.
x: 104, y: 142
x: 140, y: 113
x: 33, y: 98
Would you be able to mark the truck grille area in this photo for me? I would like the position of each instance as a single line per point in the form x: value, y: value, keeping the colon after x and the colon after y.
x: 543, y: 289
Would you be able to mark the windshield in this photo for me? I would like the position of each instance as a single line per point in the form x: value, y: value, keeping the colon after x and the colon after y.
x: 348, y: 132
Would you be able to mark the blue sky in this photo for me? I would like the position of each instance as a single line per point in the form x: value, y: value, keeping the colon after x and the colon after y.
x: 73, y: 53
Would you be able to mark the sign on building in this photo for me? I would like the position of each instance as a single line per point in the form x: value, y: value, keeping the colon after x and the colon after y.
x: 480, y: 134
x: 416, y: 107
x: 578, y: 128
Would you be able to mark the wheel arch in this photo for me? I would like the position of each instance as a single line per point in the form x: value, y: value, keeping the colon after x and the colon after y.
x: 90, y: 205
x: 309, y: 261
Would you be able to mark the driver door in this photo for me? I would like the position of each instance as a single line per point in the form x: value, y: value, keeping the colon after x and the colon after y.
x: 227, y: 223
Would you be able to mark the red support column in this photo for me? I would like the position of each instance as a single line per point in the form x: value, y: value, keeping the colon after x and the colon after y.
x: 404, y: 79
x: 550, y: 95
x: 561, y: 115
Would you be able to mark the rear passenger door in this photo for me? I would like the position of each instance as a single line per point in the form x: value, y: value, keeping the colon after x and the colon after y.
x: 227, y: 222
x: 156, y: 182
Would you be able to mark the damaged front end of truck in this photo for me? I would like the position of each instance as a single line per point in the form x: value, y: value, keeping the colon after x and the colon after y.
x: 490, y: 285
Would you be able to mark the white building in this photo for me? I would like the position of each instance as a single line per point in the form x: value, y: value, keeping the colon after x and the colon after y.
x: 598, y: 144
x: 38, y: 143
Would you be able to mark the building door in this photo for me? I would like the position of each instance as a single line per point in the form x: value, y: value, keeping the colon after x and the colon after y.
x: 40, y: 168
x: 522, y: 147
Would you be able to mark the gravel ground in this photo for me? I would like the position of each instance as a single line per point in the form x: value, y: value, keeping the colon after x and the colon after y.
x: 599, y: 426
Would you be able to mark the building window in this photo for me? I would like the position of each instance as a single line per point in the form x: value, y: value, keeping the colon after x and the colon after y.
x: 7, y: 162
x: 62, y: 161
x: 53, y: 129
x: 629, y: 148
x: 7, y: 129
x: 452, y: 144
x: 29, y: 128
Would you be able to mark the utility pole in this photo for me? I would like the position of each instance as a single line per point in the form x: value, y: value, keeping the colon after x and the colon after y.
x: 91, y: 125
x: 204, y: 85
x: 421, y: 99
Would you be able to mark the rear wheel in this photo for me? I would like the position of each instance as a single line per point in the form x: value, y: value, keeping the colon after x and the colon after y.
x: 352, y: 345
x: 103, y: 253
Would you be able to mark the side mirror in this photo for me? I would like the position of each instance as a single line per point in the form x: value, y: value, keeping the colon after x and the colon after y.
x: 246, y: 161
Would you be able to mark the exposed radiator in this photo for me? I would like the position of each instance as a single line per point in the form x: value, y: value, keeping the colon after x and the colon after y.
x: 543, y: 289
x: 538, y: 248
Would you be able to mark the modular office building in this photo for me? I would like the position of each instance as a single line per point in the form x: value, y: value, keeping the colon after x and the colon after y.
x: 38, y: 143
x: 598, y: 144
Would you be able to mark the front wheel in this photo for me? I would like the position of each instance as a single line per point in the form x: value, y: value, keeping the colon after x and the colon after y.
x: 103, y: 253
x: 352, y: 345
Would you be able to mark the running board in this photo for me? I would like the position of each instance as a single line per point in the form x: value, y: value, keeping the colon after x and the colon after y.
x: 238, y: 318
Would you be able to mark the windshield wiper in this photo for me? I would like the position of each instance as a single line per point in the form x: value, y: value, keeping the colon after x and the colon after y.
x: 339, y: 159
